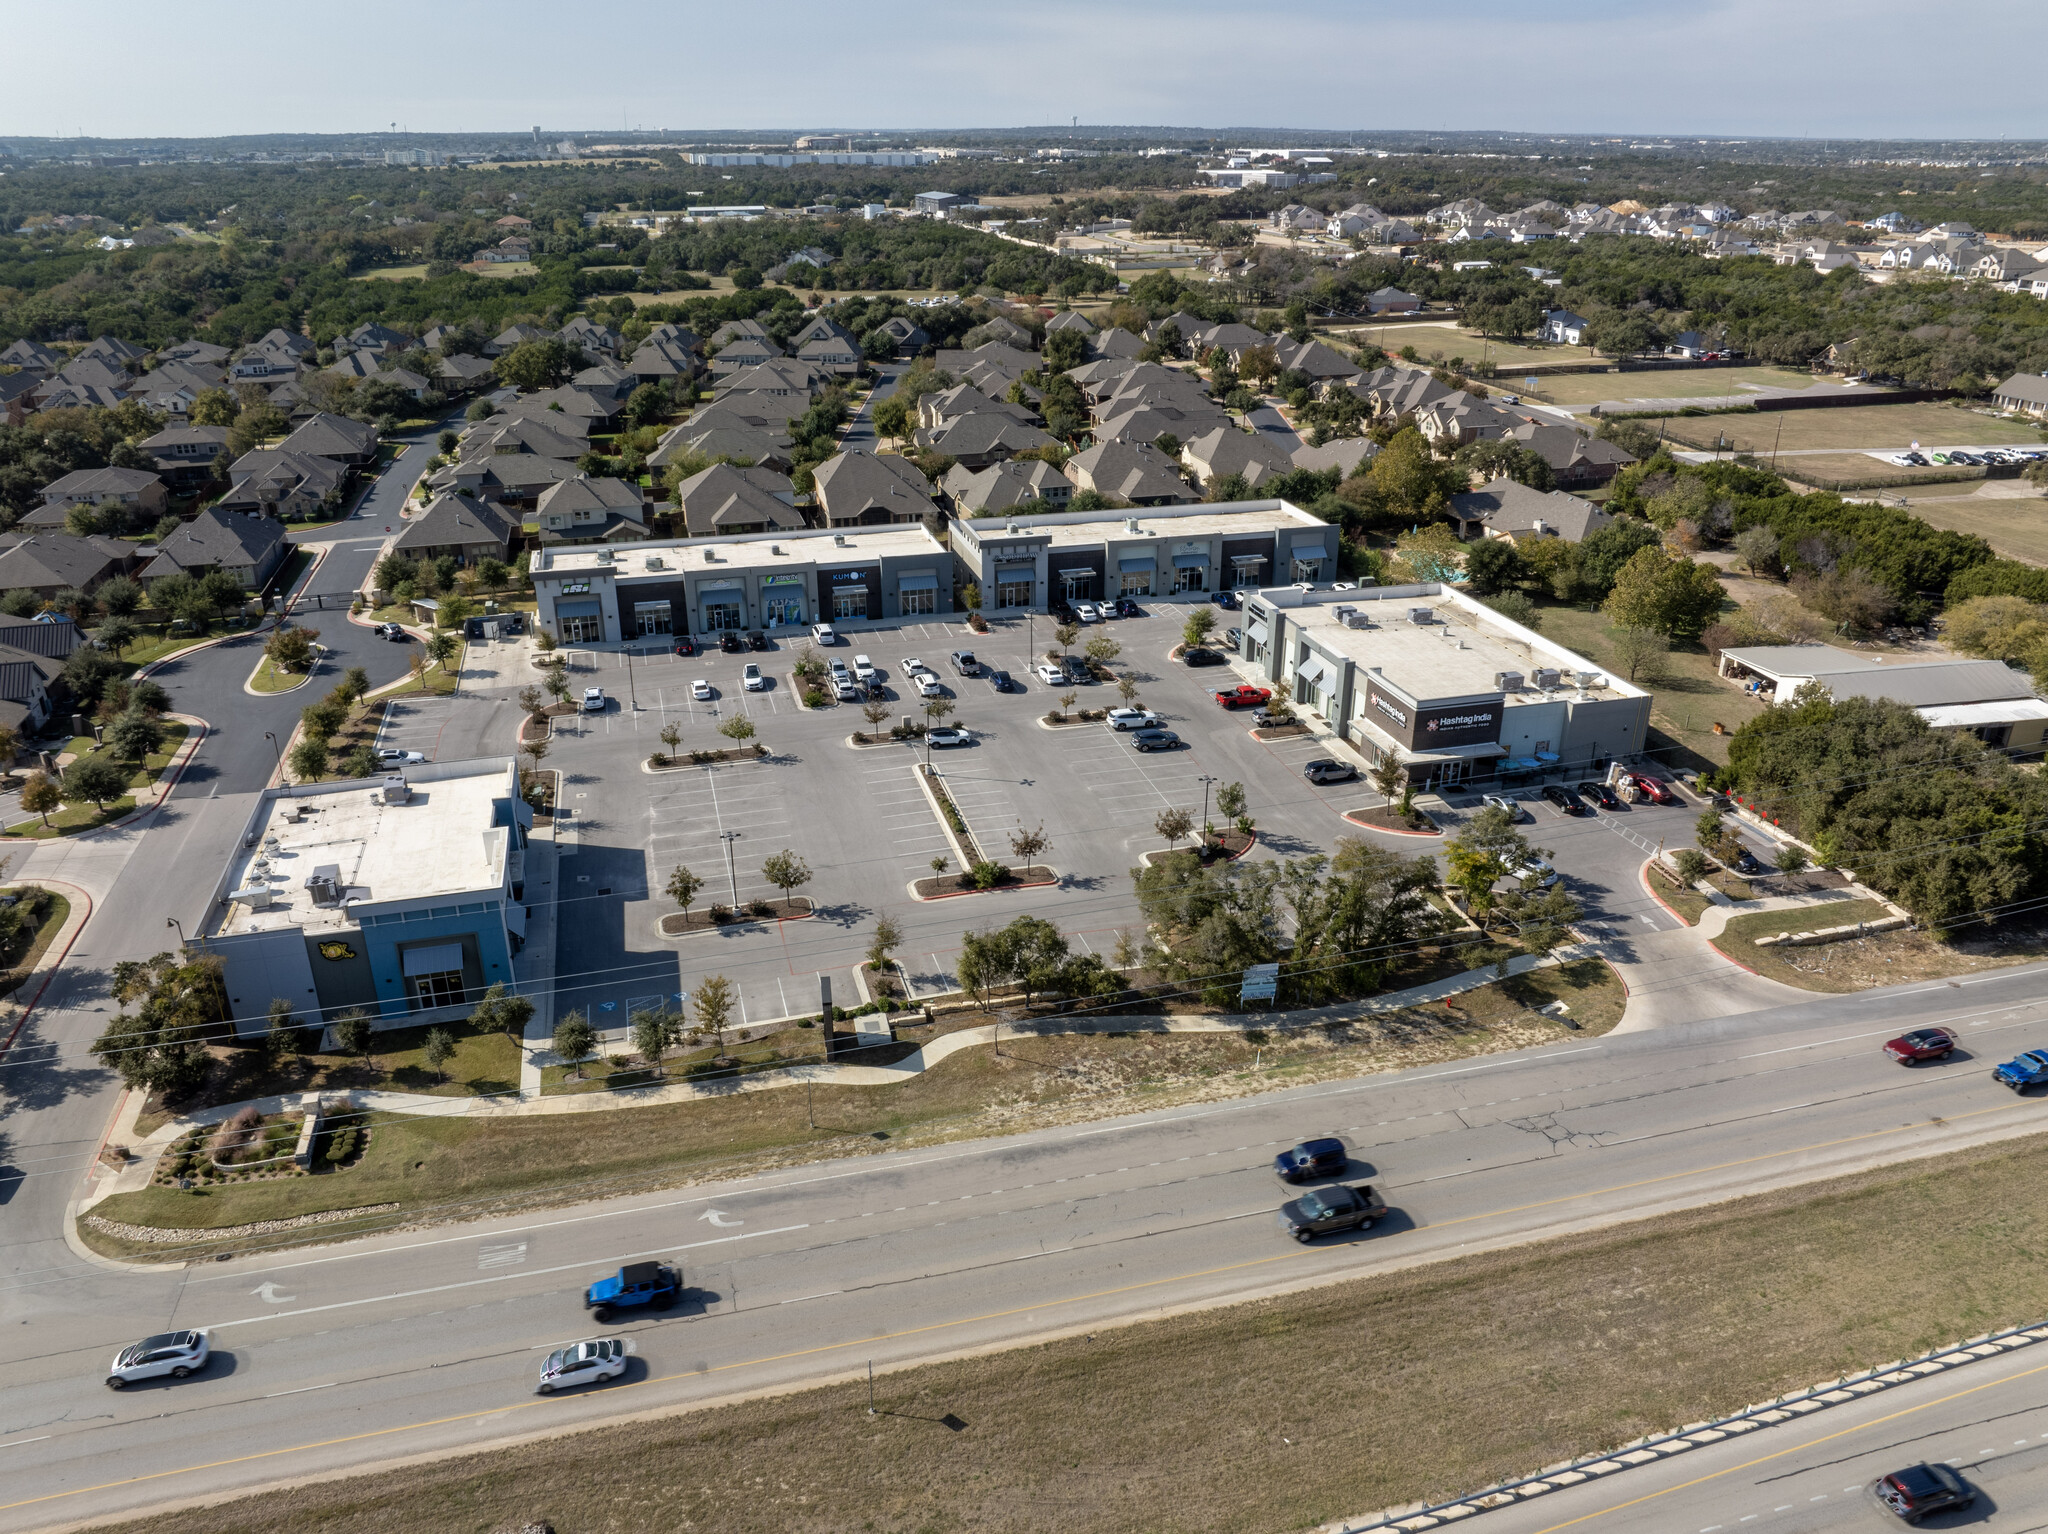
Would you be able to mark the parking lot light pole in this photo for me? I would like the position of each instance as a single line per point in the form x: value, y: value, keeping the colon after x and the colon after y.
x: 275, y: 751
x: 731, y: 873
x: 1207, y: 783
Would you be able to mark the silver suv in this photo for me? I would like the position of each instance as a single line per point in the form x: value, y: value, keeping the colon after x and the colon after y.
x: 177, y: 1354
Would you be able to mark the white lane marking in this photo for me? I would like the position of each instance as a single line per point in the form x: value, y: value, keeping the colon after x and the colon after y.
x: 507, y: 1255
x: 598, y: 1262
x: 300, y: 1391
x: 268, y: 1293
x: 825, y: 1295
x: 13, y: 1441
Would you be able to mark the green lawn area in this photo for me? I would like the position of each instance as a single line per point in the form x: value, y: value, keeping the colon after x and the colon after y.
x: 1932, y: 425
x: 1673, y: 383
x: 56, y: 911
x: 390, y: 273
x: 74, y: 819
x: 1449, y: 340
x: 268, y: 677
x: 1424, y: 1383
x: 1687, y: 702
x: 1688, y: 903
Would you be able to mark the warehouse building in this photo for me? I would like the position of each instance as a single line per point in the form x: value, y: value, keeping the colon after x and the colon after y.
x: 1029, y: 563
x: 1985, y: 697
x: 401, y: 896
x: 1442, y: 683
x: 766, y: 581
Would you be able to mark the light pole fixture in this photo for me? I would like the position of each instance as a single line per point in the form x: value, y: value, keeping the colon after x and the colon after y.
x: 731, y: 871
x: 1207, y: 783
x: 276, y: 751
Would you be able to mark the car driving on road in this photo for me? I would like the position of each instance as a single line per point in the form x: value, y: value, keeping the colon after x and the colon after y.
x: 1313, y: 1158
x: 1914, y: 1493
x: 1921, y: 1044
x: 177, y: 1354
x: 1337, y: 1207
x: 582, y: 1363
x: 2027, y: 1070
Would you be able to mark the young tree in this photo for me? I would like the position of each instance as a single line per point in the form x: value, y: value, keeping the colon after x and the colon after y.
x: 1790, y: 859
x: 117, y: 633
x: 418, y: 667
x: 1757, y: 548
x: 1709, y: 830
x: 290, y: 648
x: 936, y: 710
x: 443, y: 646
x: 1066, y: 634
x: 683, y: 888
x: 1640, y: 652
x: 739, y: 729
x: 353, y: 1031
x: 1102, y: 649
x: 40, y: 795
x: 1127, y: 690
x: 939, y: 867
x: 1485, y: 850
x: 1028, y: 846
x: 281, y: 1039
x: 1194, y: 633
x: 652, y: 1033
x: 501, y: 1011
x: 575, y: 1040
x: 1231, y: 805
x: 135, y: 735
x: 1690, y: 865
x: 1385, y: 776
x: 10, y: 747
x: 437, y: 1049
x: 887, y: 938
x: 877, y: 713
x: 97, y: 778
x: 711, y: 1005
x: 786, y: 871
x: 1174, y: 825
x: 311, y: 759
x: 671, y: 737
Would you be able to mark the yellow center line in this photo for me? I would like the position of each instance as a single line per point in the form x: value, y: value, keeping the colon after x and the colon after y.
x: 994, y: 1315
x: 1765, y: 1459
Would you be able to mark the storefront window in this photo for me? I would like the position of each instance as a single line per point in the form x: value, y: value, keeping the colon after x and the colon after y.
x: 781, y: 610
x: 654, y: 617
x: 442, y: 990
x: 1138, y: 583
x: 585, y: 630
x: 915, y: 603
x: 1242, y: 576
x: 1191, y: 578
x: 850, y: 604
x: 1077, y: 585
x: 1013, y: 593
x: 1308, y: 569
x: 719, y: 615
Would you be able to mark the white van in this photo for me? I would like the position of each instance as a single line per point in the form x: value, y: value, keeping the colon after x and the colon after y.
x: 864, y: 671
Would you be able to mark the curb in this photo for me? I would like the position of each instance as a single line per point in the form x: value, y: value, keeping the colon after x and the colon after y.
x: 998, y: 889
x: 1643, y: 878
x: 196, y: 732
x: 1662, y: 1446
x: 744, y: 761
x: 50, y: 966
x: 734, y: 925
x: 1390, y: 831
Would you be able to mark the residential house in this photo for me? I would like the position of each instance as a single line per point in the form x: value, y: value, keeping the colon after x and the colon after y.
x: 2026, y: 393
x: 250, y: 548
x: 1347, y: 455
x: 466, y: 531
x: 1392, y: 301
x: 736, y: 330
x: 278, y: 354
x: 1002, y: 332
x: 188, y: 456
x: 1576, y: 461
x: 1005, y: 485
x: 909, y: 336
x: 114, y: 352
x: 1115, y: 342
x: 655, y: 362
x: 586, y: 510
x: 26, y: 677
x: 724, y: 501
x: 587, y: 333
x: 1324, y: 364
x: 823, y: 329
x: 515, y: 335
x: 199, y: 354
x: 778, y: 378
x: 1136, y: 472
x: 1069, y: 319
x: 17, y: 396
x: 32, y: 357
x: 832, y: 355
x: 510, y: 249
x: 1397, y: 391
x: 372, y: 337
x: 172, y: 388
x: 567, y: 408
x: 723, y: 431
x: 976, y: 441
x: 1508, y: 510
x: 140, y: 491
x: 462, y: 375
x: 46, y: 563
x: 870, y: 489
x: 961, y: 401
x: 1565, y: 328
x: 352, y: 444
x: 743, y: 352
x: 293, y: 487
x: 606, y: 381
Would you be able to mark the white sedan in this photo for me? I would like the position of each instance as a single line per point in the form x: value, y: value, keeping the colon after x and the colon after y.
x: 912, y: 665
x: 582, y: 1363
x: 1051, y: 675
x: 177, y: 1354
x: 1087, y: 612
x: 928, y: 686
x: 702, y: 690
x: 751, y: 678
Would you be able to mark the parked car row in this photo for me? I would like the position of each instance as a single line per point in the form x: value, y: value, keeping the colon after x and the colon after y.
x: 1985, y: 457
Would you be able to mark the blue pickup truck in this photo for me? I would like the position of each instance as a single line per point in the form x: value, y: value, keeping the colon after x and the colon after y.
x: 638, y: 1283
x: 2029, y: 1070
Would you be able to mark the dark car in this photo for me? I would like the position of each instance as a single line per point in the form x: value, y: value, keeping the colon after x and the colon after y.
x: 1325, y: 769
x: 686, y: 647
x: 1079, y: 672
x: 757, y: 640
x: 1921, y: 1044
x: 1227, y: 600
x: 1124, y: 607
x: 1601, y: 795
x: 1202, y: 657
x: 1565, y: 799
x: 1155, y: 740
x: 732, y: 643
x: 1747, y: 862
x: 1000, y: 681
x: 1312, y: 1158
x: 1924, y: 1489
x: 1337, y: 1207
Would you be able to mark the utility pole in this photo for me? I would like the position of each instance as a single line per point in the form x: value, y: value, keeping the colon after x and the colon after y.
x: 731, y: 873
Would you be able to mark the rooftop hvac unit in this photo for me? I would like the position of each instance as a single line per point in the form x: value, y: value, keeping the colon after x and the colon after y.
x: 397, y: 790
x: 654, y: 561
x: 1508, y: 681
x: 839, y: 540
x: 604, y: 556
x: 1130, y: 524
x: 1546, y: 677
x: 1422, y: 615
x: 1359, y: 620
x: 1591, y: 679
x: 1342, y: 612
x: 256, y: 897
x: 325, y: 884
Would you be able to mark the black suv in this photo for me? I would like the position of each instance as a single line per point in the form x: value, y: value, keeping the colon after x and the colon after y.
x: 1337, y: 1207
x: 1312, y: 1158
x: 732, y: 643
x: 1000, y: 681
x: 1202, y: 657
x: 1924, y: 1489
x: 758, y: 640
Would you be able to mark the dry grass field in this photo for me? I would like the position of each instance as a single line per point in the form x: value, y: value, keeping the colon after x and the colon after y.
x: 1932, y: 425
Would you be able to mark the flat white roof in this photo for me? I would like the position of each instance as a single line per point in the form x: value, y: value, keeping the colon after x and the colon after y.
x: 1223, y: 519
x: 1457, y: 655
x: 1970, y: 715
x: 755, y: 551
x: 442, y: 843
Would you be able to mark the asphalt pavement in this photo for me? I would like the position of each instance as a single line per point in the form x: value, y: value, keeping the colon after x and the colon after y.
x: 350, y: 1355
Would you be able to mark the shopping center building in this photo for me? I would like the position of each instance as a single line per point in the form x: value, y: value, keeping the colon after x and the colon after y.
x: 766, y: 581
x: 1027, y: 563
x: 1444, y: 684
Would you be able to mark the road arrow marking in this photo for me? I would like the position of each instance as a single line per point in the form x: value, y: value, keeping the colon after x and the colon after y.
x: 717, y: 1217
x: 271, y: 1295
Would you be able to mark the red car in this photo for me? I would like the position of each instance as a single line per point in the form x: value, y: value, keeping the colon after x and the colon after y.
x: 1244, y: 697
x: 1653, y: 789
x: 1921, y: 1044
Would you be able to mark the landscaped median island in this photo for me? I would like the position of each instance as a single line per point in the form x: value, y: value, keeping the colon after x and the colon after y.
x: 1858, y: 963
x: 1589, y: 1341
x: 99, y: 780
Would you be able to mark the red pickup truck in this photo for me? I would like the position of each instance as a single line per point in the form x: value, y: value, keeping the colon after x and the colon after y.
x: 1245, y: 696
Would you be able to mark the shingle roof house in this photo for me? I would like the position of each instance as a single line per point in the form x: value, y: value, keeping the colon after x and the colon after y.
x: 336, y: 437
x: 586, y: 510
x: 281, y: 484
x: 1574, y: 459
x: 465, y: 530
x: 723, y: 501
x: 139, y: 488
x: 976, y: 441
x: 2026, y: 392
x: 1128, y: 471
x: 1005, y: 485
x: 1226, y: 450
x: 1505, y: 509
x: 46, y: 563
x: 247, y: 547
x: 869, y: 489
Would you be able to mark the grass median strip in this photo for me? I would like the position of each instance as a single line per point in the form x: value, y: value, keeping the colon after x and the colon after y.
x: 1285, y: 1413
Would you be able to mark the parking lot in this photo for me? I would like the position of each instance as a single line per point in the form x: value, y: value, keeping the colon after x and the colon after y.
x: 859, y: 819
x: 415, y: 724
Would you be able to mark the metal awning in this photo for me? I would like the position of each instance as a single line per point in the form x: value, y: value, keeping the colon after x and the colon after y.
x: 1016, y: 569
x: 1136, y: 563
x: 1258, y: 630
x: 1248, y: 559
x: 1314, y: 669
x: 917, y: 580
x: 442, y: 959
x: 1191, y: 561
x: 515, y: 918
x: 726, y: 585
x: 578, y: 610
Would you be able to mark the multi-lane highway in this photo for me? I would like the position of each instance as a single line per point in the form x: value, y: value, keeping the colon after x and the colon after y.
x: 353, y: 1355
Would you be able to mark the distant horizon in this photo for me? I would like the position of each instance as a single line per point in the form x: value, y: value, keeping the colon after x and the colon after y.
x: 1822, y: 70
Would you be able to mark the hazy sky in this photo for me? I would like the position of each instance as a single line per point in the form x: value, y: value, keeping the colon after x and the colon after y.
x: 1828, y: 68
